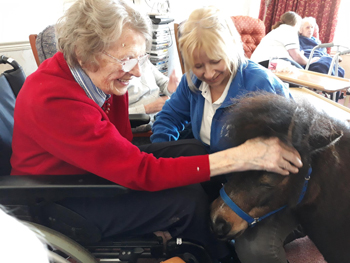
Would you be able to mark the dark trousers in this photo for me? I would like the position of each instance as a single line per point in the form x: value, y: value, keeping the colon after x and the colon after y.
x: 183, y: 211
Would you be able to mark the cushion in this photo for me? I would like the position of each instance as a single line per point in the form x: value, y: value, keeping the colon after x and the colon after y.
x: 46, y: 43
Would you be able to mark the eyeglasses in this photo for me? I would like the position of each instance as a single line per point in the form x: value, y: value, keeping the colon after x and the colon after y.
x: 129, y: 64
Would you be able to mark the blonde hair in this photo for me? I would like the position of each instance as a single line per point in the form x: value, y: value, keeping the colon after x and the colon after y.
x: 209, y: 30
x: 311, y: 20
x: 289, y: 18
x: 89, y: 27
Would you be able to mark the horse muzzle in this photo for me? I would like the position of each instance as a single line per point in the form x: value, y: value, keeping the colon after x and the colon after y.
x: 224, y: 230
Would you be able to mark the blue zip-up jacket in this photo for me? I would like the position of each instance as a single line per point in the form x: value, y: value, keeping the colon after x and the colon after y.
x: 186, y: 106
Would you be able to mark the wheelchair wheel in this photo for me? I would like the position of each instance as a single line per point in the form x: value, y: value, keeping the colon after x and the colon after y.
x: 61, y: 249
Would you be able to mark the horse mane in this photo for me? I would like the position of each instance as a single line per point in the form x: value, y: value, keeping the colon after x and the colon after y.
x: 262, y: 114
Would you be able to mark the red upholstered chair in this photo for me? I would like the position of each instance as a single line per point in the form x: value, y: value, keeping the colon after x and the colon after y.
x: 252, y: 30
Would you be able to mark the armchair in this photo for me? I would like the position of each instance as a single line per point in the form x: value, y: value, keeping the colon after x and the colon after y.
x: 44, y: 45
x: 252, y: 30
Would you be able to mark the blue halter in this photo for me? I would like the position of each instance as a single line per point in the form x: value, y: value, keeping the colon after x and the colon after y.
x: 252, y: 221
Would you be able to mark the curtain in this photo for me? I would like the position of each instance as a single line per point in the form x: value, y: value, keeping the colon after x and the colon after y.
x: 325, y: 12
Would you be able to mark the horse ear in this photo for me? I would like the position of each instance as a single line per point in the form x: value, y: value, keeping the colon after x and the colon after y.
x: 323, y: 135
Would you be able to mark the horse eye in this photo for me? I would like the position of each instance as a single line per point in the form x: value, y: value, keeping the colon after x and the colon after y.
x: 265, y: 185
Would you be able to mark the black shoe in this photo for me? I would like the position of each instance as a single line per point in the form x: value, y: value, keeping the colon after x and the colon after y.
x: 232, y: 258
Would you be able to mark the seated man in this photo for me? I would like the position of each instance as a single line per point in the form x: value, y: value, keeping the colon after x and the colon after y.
x: 148, y: 93
x: 308, y: 42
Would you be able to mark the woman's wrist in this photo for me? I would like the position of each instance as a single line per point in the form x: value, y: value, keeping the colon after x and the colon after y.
x: 225, y: 162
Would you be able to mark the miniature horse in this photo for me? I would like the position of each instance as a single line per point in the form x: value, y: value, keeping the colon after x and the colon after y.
x: 324, y: 146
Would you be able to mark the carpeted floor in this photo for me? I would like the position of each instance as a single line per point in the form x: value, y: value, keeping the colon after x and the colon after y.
x: 303, y: 250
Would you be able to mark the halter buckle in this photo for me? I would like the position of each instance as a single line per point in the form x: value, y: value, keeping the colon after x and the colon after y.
x: 256, y: 220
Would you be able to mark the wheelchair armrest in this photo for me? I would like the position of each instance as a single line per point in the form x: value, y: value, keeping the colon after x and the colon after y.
x: 51, y: 188
x: 138, y: 119
x: 325, y: 45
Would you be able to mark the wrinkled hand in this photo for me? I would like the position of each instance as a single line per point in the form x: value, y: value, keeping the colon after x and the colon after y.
x: 156, y: 105
x: 315, y: 59
x: 173, y: 82
x: 271, y: 155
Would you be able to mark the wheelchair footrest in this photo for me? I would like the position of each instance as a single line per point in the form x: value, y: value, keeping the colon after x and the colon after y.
x: 129, y: 250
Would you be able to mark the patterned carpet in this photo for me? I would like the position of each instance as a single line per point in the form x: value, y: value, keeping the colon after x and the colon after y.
x: 303, y: 250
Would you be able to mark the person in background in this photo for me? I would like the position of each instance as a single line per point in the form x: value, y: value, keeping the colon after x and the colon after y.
x: 217, y: 73
x: 282, y: 42
x: 71, y: 117
x: 307, y: 42
x: 148, y: 93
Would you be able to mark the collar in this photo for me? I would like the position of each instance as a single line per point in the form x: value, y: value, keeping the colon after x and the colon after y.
x: 88, y: 86
x: 206, y: 93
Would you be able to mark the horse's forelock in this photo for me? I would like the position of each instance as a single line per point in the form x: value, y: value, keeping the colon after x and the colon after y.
x: 270, y: 115
x: 266, y: 115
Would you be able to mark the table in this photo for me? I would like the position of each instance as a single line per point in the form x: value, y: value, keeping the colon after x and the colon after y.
x: 315, y: 80
x: 332, y: 108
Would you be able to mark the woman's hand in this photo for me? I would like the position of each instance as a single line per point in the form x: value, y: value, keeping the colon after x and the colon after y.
x: 173, y: 82
x: 256, y: 154
x: 156, y: 105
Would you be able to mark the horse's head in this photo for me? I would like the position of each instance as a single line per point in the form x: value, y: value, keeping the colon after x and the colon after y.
x: 258, y: 193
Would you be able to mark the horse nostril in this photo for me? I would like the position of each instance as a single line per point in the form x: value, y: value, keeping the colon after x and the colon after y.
x: 221, y: 228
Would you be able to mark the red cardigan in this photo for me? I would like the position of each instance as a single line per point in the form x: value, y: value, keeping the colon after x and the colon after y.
x: 59, y: 130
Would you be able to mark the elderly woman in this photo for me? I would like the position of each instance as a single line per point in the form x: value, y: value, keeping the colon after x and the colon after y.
x: 216, y: 73
x: 308, y: 42
x: 282, y: 42
x: 71, y: 117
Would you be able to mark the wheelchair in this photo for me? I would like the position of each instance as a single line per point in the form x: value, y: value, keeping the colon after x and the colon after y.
x: 69, y: 237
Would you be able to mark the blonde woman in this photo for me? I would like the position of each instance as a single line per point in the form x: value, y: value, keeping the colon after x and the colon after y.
x: 216, y: 72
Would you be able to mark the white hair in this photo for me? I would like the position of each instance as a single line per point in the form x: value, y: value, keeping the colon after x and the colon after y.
x: 311, y: 20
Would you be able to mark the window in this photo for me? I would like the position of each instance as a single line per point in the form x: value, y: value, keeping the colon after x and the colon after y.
x: 342, y: 36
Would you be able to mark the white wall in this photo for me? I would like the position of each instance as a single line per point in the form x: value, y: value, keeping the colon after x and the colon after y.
x: 342, y: 35
x: 20, y: 18
x: 181, y: 9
